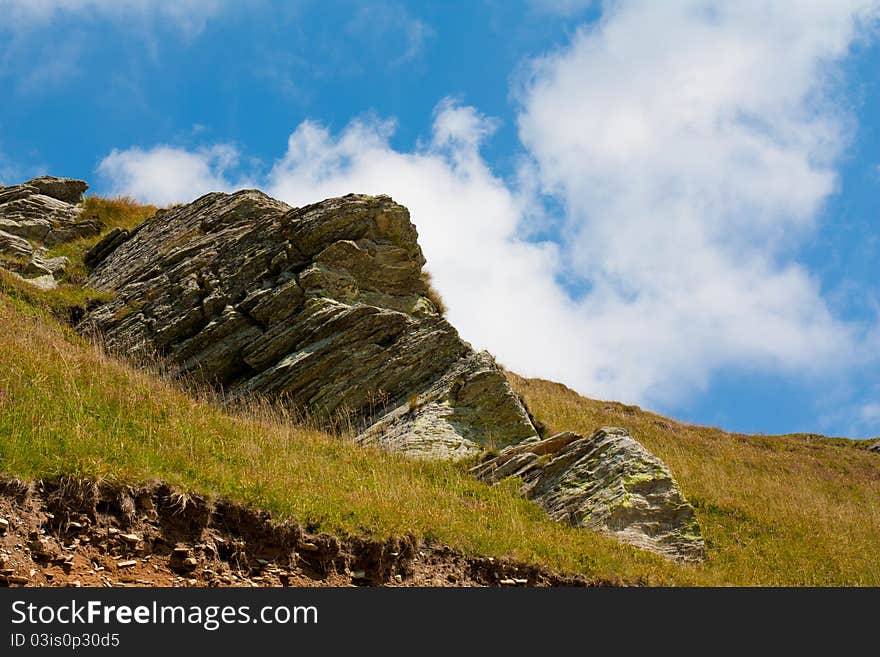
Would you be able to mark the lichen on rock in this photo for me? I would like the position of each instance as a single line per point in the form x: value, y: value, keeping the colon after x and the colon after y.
x: 607, y: 482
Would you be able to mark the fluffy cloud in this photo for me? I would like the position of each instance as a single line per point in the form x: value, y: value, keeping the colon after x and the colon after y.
x: 163, y: 175
x: 691, y: 146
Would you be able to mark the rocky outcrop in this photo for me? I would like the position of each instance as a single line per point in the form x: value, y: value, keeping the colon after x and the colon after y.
x: 875, y: 447
x: 63, y: 189
x: 606, y: 482
x: 14, y: 246
x: 40, y: 214
x: 324, y: 307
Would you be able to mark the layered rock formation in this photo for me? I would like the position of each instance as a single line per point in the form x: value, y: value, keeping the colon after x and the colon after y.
x: 323, y: 306
x: 326, y: 308
x: 36, y: 215
x: 607, y: 482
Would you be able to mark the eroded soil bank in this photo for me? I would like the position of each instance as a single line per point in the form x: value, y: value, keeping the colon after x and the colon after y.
x: 76, y: 532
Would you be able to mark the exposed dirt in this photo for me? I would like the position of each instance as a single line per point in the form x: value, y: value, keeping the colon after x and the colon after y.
x: 75, y: 532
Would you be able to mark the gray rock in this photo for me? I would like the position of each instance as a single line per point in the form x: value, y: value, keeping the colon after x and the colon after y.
x: 40, y: 265
x: 875, y: 447
x: 35, y: 211
x: 14, y: 246
x: 62, y: 233
x: 99, y: 252
x: 466, y: 409
x: 44, y: 282
x: 606, y: 482
x: 64, y: 189
x: 323, y: 307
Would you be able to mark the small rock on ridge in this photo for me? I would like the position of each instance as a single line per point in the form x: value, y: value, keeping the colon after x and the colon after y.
x: 608, y: 482
x: 64, y: 189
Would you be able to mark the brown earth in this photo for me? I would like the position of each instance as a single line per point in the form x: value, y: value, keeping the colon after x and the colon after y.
x: 75, y: 532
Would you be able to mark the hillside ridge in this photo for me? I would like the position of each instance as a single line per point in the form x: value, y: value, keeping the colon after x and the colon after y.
x: 772, y: 510
x: 327, y: 310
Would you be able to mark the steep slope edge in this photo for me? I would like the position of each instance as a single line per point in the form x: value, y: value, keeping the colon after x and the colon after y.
x: 81, y: 532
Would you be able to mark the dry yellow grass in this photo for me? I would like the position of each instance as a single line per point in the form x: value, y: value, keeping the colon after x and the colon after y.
x: 120, y: 212
x: 433, y: 295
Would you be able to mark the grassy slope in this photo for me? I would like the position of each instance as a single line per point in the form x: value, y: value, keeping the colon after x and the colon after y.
x: 775, y: 510
x: 65, y: 407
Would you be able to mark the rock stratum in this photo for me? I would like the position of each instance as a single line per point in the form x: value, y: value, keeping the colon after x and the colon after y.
x: 323, y: 306
x: 327, y: 310
x: 607, y: 482
x: 42, y: 213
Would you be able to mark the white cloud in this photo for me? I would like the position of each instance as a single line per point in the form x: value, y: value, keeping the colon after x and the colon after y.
x: 164, y: 174
x: 692, y: 145
x: 188, y: 15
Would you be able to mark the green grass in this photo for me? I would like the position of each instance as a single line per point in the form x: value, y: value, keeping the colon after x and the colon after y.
x: 67, y: 302
x: 797, y: 510
x: 70, y: 299
x: 121, y: 212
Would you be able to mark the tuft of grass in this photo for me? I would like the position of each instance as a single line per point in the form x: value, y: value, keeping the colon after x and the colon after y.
x: 431, y: 292
x: 775, y: 510
x: 121, y: 212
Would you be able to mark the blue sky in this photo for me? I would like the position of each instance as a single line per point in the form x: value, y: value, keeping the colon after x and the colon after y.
x: 672, y: 204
